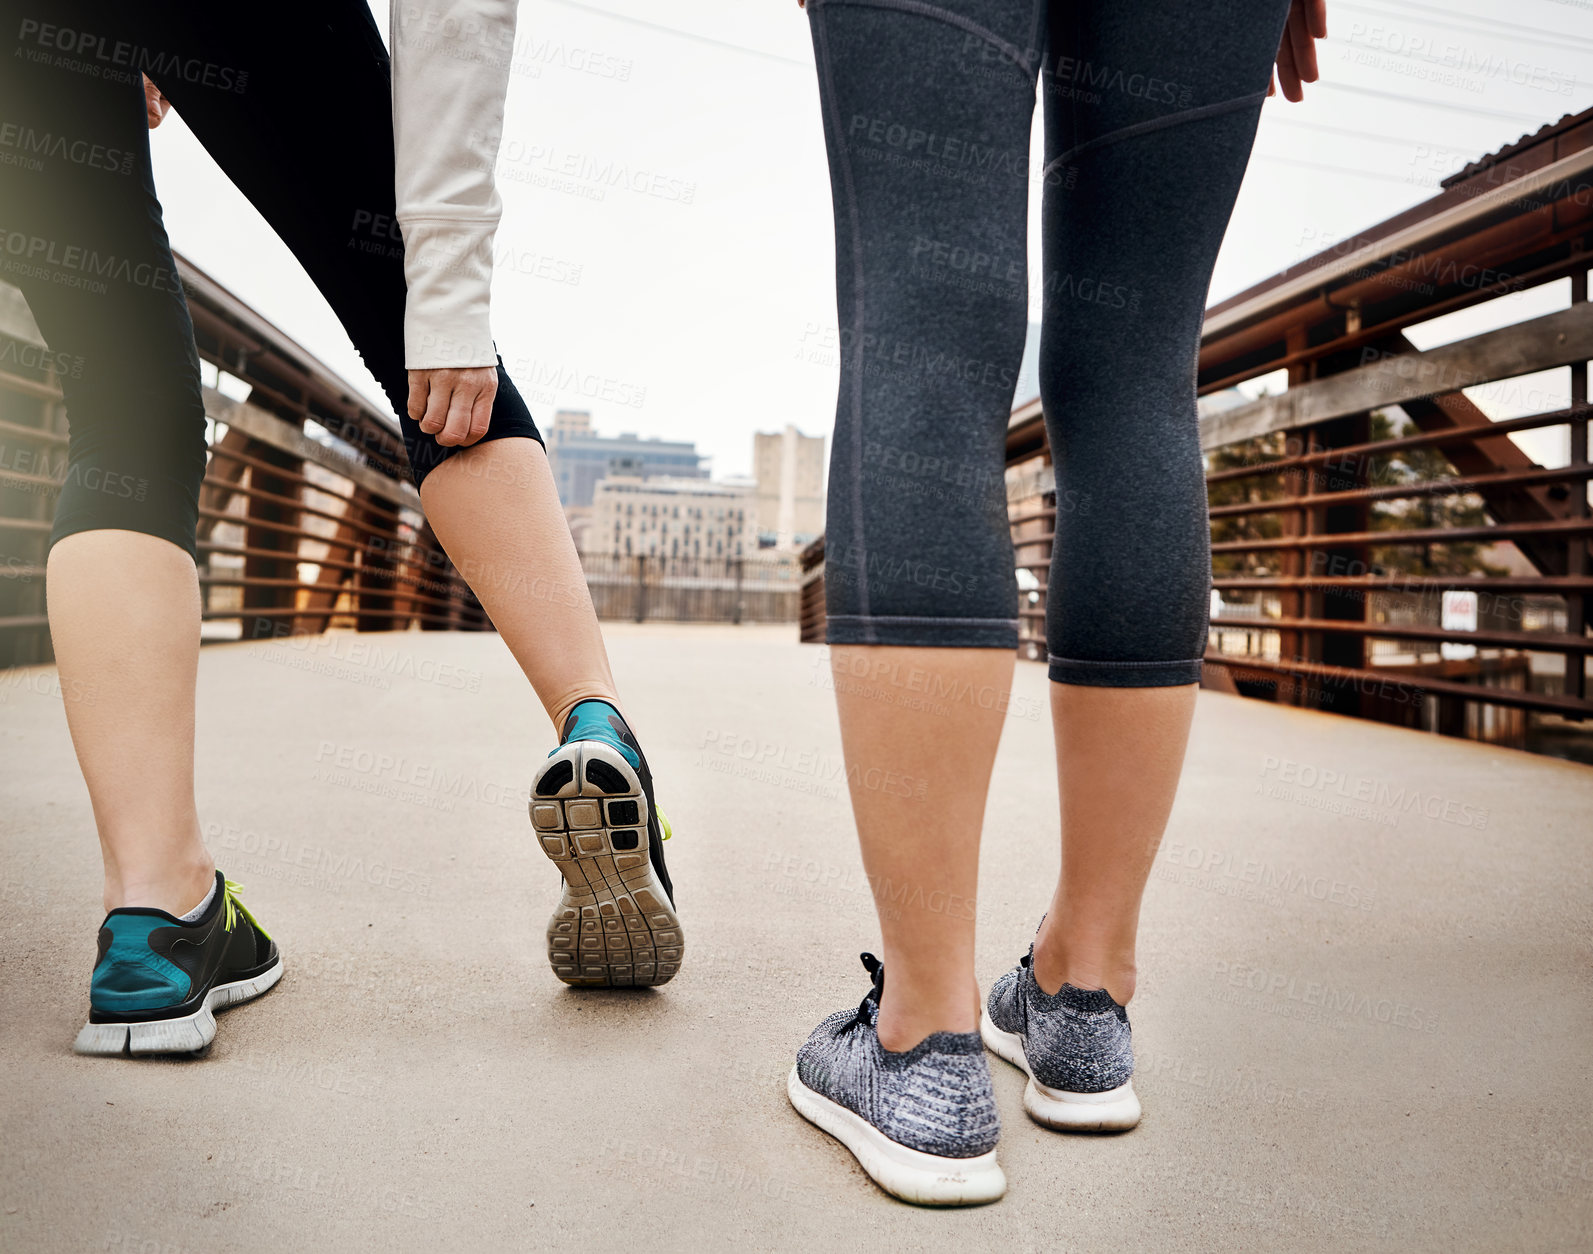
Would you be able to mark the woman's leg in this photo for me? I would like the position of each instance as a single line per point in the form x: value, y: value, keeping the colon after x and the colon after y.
x: 1139, y: 187
x: 101, y: 284
x: 929, y: 165
x: 921, y: 854
x: 319, y: 167
x: 513, y: 546
x: 124, y: 620
x: 1119, y: 752
x: 927, y: 110
x: 123, y: 593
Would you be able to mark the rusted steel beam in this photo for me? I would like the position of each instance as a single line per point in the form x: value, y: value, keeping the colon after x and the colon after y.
x: 1548, y: 585
x: 18, y: 431
x: 269, y: 504
x: 266, y: 611
x: 221, y: 482
x: 445, y: 593
x: 270, y: 430
x: 1446, y: 437
x: 1528, y: 641
x: 1564, y: 527
x: 373, y: 582
x: 29, y: 387
x: 1555, y: 339
x: 1514, y: 697
x: 1573, y: 258
x: 1526, y: 202
x: 390, y: 513
x: 1400, y: 491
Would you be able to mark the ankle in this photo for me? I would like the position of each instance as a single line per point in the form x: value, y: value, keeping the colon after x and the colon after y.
x: 906, y: 1018
x: 174, y: 889
x: 560, y: 714
x: 1083, y: 966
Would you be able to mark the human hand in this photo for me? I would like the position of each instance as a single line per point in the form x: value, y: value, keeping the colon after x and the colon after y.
x: 453, y: 405
x: 156, y: 106
x: 1297, y: 51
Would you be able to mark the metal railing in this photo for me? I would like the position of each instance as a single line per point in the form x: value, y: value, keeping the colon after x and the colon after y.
x: 764, y: 588
x: 1349, y: 508
x: 1354, y: 511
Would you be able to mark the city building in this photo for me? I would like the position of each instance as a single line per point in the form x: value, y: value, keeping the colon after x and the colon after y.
x: 789, y: 468
x: 580, y: 457
x: 667, y: 517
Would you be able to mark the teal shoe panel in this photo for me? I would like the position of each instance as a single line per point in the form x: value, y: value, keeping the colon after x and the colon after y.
x: 130, y: 976
x: 598, y: 720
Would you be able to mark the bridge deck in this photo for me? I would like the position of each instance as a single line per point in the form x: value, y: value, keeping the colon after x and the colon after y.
x: 1363, y: 1020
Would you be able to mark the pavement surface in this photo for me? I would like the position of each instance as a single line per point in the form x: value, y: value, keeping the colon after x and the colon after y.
x: 1363, y: 1019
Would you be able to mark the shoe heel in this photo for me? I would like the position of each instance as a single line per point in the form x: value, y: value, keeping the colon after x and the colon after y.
x: 1115, y: 1111
x: 614, y: 925
x: 187, y: 1035
x: 913, y: 1176
x: 104, y: 1039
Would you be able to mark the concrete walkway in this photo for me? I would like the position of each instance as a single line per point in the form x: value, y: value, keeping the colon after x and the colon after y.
x: 1363, y: 1020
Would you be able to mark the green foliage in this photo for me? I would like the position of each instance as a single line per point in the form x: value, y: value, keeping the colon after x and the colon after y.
x: 1418, y: 465
x: 1423, y: 513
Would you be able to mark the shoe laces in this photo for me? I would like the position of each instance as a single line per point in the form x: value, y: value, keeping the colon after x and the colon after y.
x: 663, y: 821
x: 234, y: 907
x: 876, y: 969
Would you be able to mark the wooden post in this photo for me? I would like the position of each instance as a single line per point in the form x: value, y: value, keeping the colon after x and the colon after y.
x: 1576, y: 554
x: 1295, y: 523
x: 260, y: 567
x: 373, y: 583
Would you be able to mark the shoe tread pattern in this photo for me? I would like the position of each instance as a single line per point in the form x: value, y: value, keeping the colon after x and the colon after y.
x: 614, y: 926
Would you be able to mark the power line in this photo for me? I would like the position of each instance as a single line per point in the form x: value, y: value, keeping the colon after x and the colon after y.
x: 1565, y: 43
x: 1431, y: 104
x: 1341, y: 169
x: 682, y: 34
x: 1277, y: 120
x: 1557, y: 38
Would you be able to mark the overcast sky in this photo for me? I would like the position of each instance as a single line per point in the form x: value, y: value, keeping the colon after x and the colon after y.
x: 709, y: 308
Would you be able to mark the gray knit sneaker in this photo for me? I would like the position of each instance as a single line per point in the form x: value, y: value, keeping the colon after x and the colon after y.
x: 1076, y: 1046
x: 922, y: 1123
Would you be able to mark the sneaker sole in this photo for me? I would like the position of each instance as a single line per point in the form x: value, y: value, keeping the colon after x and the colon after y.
x: 614, y: 926
x: 1115, y: 1110
x: 913, y: 1176
x: 185, y: 1035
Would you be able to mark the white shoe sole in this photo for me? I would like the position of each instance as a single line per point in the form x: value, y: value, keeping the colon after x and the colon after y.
x: 614, y: 925
x: 909, y: 1174
x: 1115, y: 1110
x: 174, y: 1036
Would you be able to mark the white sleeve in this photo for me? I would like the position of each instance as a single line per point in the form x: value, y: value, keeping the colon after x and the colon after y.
x: 450, y: 76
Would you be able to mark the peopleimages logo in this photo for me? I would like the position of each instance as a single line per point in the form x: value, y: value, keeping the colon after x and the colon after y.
x: 1320, y: 996
x: 1395, y: 798
x: 74, y: 265
x: 32, y: 143
x: 116, y: 60
x: 15, y: 353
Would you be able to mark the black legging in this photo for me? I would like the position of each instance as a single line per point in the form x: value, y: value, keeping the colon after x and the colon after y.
x: 293, y: 101
x: 1150, y: 111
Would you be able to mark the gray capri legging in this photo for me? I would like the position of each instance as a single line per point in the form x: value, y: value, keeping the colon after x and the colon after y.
x: 1150, y: 112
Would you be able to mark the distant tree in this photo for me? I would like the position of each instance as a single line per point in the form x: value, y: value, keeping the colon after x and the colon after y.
x: 1254, y: 453
x: 1423, y: 513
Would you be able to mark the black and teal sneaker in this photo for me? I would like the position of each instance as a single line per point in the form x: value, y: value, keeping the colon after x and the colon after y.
x: 158, y: 979
x: 593, y: 811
